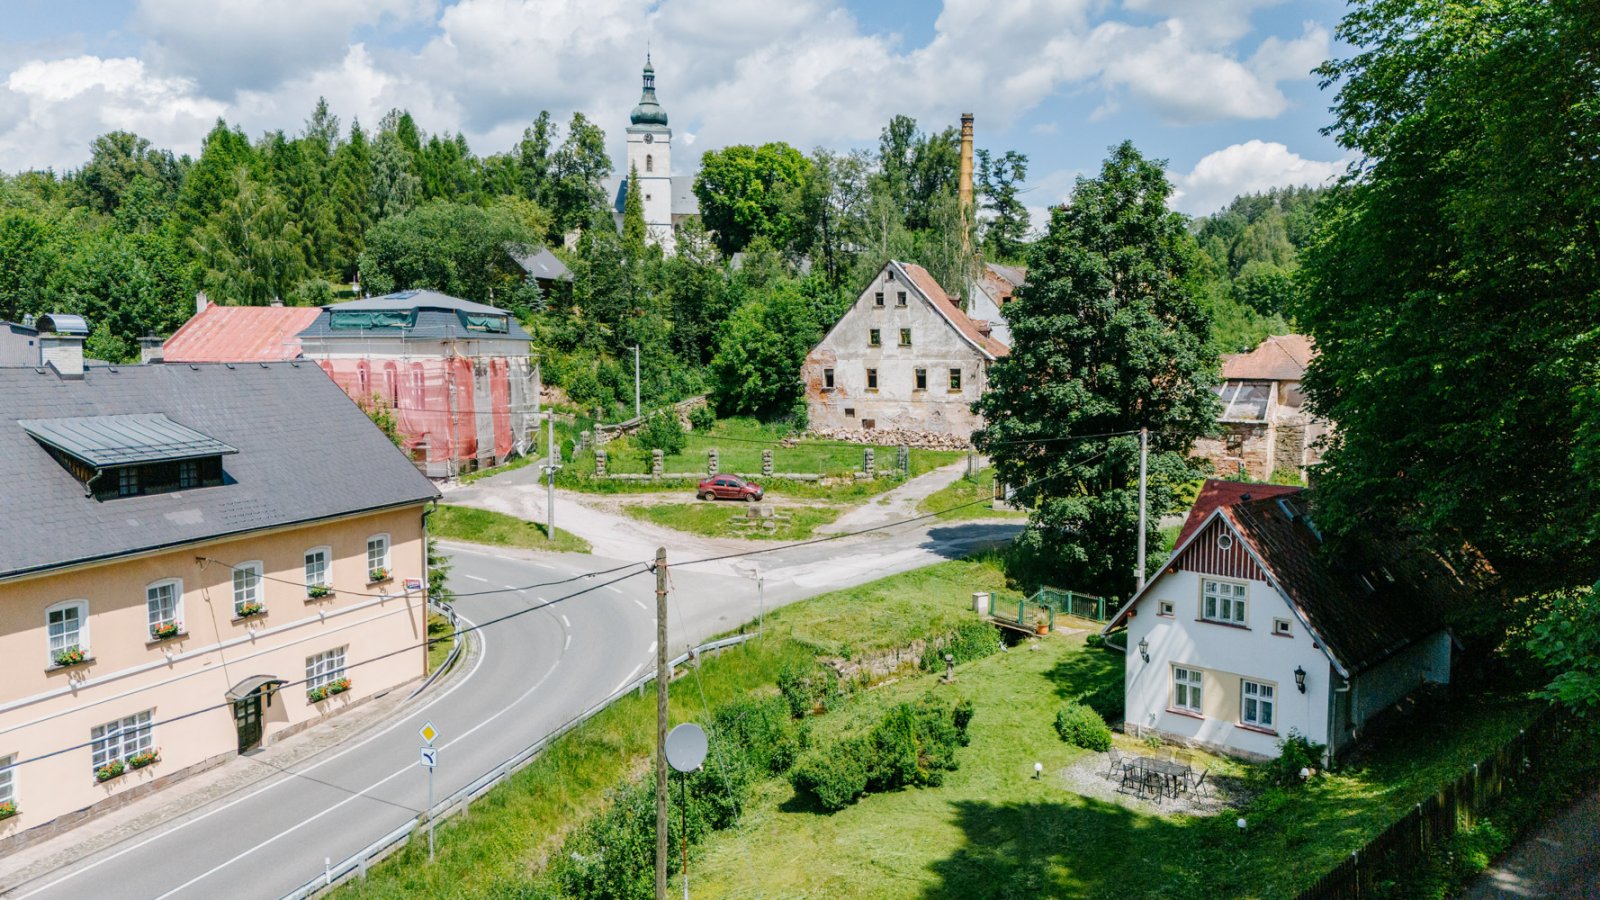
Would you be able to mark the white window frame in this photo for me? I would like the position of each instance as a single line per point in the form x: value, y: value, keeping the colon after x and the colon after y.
x: 1282, y: 627
x: 1188, y: 688
x: 1164, y: 607
x: 327, y: 566
x: 1220, y: 600
x: 383, y: 558
x: 8, y: 779
x: 82, y: 643
x: 122, y: 738
x: 252, y: 592
x: 1253, y: 703
x: 325, y: 667
x: 177, y: 602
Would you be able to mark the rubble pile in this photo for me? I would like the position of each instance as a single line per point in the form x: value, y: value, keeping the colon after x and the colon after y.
x: 894, y: 437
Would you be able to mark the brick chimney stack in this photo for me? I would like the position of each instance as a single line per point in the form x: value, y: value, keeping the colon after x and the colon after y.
x: 966, y: 161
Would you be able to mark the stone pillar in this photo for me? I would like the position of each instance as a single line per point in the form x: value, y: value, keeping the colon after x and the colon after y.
x: 766, y: 463
x: 655, y: 464
x: 868, y: 465
x: 713, y: 461
x: 599, y: 463
x: 904, y: 458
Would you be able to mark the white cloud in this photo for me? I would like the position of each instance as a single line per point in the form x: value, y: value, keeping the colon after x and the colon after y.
x: 1247, y: 168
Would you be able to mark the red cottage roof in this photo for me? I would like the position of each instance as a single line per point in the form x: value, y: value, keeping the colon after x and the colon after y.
x: 1215, y: 493
x: 947, y: 308
x: 1283, y: 357
x: 240, y: 334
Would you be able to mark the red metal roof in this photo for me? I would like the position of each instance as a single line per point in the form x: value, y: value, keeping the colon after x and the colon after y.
x: 240, y: 334
x: 1216, y: 492
x: 1282, y: 357
x: 947, y: 308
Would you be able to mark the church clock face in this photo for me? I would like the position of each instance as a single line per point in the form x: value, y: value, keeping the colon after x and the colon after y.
x: 649, y: 139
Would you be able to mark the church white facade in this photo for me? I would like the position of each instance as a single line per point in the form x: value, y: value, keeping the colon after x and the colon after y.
x: 667, y: 200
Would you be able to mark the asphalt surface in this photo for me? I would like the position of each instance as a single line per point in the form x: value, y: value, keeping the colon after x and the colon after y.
x: 542, y: 661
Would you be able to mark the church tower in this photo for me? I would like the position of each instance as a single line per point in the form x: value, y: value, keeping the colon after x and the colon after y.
x: 650, y: 155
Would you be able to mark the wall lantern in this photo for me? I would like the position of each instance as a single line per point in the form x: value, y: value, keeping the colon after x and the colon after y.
x: 1300, y: 679
x: 1144, y: 651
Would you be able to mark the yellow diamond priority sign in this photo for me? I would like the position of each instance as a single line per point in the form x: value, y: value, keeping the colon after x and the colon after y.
x: 428, y: 732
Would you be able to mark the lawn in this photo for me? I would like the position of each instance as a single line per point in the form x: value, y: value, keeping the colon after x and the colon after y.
x: 715, y: 519
x: 438, y: 632
x: 739, y: 442
x: 965, y: 499
x: 464, y: 523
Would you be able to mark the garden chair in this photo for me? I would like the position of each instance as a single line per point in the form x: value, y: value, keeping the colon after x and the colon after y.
x: 1200, y: 788
x: 1117, y: 763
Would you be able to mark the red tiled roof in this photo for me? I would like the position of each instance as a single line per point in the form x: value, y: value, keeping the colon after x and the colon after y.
x: 1282, y: 357
x: 240, y: 334
x: 1216, y: 492
x: 947, y: 308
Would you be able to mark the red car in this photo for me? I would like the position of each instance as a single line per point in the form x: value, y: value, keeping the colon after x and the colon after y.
x: 729, y: 487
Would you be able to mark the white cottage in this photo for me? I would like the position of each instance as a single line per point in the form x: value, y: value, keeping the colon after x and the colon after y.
x: 1253, y: 630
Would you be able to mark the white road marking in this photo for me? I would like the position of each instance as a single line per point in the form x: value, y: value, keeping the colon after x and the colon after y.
x: 640, y: 603
x: 353, y: 797
x: 615, y: 590
x: 476, y: 578
x: 404, y: 720
x: 512, y: 587
x: 631, y: 675
x: 652, y: 648
x: 568, y: 644
x: 547, y: 566
x: 565, y: 621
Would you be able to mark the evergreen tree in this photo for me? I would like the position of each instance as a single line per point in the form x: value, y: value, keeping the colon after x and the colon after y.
x: 634, y: 232
x: 350, y: 198
x: 999, y: 181
x: 396, y: 187
x: 1107, y: 336
x: 211, y: 181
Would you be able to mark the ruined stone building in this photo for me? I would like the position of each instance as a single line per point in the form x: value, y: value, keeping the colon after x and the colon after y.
x: 1264, y: 425
x: 903, y: 356
x: 988, y: 294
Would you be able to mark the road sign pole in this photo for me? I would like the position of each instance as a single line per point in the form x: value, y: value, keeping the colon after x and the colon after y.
x: 430, y: 814
x: 663, y: 675
x: 430, y: 759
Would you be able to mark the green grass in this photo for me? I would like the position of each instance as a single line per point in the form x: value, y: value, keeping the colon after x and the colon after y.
x: 739, y: 442
x: 718, y: 519
x: 464, y: 523
x: 966, y: 499
x: 439, y: 632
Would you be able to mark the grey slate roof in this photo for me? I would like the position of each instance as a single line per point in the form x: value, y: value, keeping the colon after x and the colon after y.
x: 439, y: 317
x: 120, y: 440
x: 543, y: 265
x: 306, y: 453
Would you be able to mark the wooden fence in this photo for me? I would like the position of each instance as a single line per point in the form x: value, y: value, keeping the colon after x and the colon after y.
x: 1404, y: 846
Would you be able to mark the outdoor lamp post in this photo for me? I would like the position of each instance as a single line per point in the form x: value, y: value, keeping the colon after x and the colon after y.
x: 1300, y: 679
x: 1144, y: 650
x: 949, y: 667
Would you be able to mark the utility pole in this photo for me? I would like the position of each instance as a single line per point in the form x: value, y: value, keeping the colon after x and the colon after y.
x: 1144, y: 465
x: 550, y: 469
x: 663, y: 675
x: 636, y: 412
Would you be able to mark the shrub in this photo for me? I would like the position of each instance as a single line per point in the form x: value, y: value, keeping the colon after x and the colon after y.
x: 1094, y: 640
x: 961, y: 716
x: 972, y: 639
x: 763, y: 731
x: 1295, y: 752
x: 805, y: 687
x: 1108, y: 700
x: 1081, y: 726
x: 661, y: 431
x: 835, y: 775
x: 702, y: 418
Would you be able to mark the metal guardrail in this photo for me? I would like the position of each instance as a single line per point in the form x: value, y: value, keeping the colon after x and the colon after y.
x: 449, y: 613
x: 357, y: 863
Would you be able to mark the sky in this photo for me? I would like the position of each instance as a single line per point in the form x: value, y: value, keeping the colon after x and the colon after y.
x: 1220, y: 89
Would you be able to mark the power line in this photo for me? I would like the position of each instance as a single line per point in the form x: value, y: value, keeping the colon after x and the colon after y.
x: 529, y: 587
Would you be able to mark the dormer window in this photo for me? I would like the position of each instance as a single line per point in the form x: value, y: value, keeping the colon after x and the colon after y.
x: 131, y: 455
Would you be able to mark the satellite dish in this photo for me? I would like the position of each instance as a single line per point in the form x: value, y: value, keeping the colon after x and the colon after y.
x: 686, y: 747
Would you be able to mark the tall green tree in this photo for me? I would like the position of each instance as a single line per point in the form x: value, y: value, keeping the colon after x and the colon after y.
x: 211, y: 181
x: 126, y: 286
x: 1107, y: 336
x: 757, y: 367
x: 574, y: 184
x: 461, y: 250
x: 396, y: 184
x: 30, y: 250
x: 1453, y: 288
x: 634, y: 232
x: 115, y: 160
x: 747, y: 192
x: 350, y: 199
x: 999, y: 185
x: 250, y: 250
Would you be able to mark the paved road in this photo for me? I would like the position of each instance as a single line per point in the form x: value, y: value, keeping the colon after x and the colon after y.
x: 534, y: 672
x: 1560, y: 859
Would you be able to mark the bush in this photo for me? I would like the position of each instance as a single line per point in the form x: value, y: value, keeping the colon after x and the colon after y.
x: 805, y: 688
x: 1081, y: 726
x: 962, y: 717
x: 835, y: 775
x: 1295, y: 752
x: 702, y: 418
x: 661, y: 431
x: 1094, y: 640
x: 763, y: 731
x: 972, y: 639
x: 1108, y: 700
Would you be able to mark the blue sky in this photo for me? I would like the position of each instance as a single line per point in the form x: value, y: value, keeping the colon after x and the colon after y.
x: 1219, y: 88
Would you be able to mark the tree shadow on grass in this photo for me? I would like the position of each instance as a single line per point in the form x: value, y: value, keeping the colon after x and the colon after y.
x: 1078, y: 848
x: 1096, y: 668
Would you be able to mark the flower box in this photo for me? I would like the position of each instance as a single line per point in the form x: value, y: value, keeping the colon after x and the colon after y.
x: 70, y: 656
x: 8, y: 809
x: 144, y: 758
x: 166, y: 630
x: 318, y: 591
x: 110, y: 770
x: 246, y: 610
x: 377, y: 576
x: 332, y: 688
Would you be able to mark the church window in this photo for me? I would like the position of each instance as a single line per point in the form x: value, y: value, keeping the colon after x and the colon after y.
x: 649, y: 163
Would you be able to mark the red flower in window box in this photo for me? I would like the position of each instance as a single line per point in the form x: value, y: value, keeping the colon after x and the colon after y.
x: 144, y: 758
x: 166, y: 630
x: 8, y: 809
